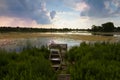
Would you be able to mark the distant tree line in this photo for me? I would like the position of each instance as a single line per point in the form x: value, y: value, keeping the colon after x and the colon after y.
x: 106, y: 27
x: 20, y: 29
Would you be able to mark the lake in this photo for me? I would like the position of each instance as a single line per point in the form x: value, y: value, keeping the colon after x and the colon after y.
x: 10, y: 43
x: 18, y: 44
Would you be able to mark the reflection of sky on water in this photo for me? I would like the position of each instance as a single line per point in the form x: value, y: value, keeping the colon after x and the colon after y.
x: 74, y: 33
x: 19, y: 44
x: 117, y: 35
x: 69, y: 42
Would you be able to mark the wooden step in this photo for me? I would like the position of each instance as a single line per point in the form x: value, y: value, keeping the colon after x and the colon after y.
x: 55, y: 59
x: 56, y: 65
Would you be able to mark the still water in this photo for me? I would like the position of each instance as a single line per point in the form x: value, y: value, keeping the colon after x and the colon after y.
x: 18, y: 44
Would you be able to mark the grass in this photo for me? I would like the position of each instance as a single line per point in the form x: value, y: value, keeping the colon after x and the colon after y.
x: 98, y: 61
x: 30, y: 64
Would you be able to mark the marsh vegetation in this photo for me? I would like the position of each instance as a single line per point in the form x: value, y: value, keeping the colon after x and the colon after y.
x: 88, y: 61
x: 30, y: 64
x: 98, y: 61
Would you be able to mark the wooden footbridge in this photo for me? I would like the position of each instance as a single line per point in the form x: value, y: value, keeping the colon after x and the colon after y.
x: 57, y: 58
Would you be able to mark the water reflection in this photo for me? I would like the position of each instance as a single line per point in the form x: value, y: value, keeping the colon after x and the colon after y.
x: 74, y: 33
x: 18, y: 44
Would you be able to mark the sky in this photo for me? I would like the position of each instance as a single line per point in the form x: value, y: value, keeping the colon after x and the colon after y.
x: 80, y: 14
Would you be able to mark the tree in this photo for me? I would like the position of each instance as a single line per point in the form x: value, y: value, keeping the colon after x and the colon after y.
x: 94, y: 28
x: 97, y: 28
x: 108, y: 27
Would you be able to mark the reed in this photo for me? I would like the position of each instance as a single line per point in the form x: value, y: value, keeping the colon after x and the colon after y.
x: 30, y: 64
x: 98, y: 61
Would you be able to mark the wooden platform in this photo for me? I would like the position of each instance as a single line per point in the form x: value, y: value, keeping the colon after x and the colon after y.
x: 63, y: 77
x: 57, y: 53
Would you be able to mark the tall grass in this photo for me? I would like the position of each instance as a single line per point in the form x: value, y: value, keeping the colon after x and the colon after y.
x: 30, y: 64
x: 99, y: 61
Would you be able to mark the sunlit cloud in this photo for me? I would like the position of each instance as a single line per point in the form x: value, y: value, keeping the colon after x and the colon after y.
x: 82, y: 6
x: 16, y: 22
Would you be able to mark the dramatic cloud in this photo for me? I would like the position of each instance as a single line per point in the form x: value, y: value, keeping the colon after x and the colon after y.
x: 41, y: 15
x: 113, y: 6
x: 102, y: 8
x: 52, y: 14
x: 35, y: 10
x: 78, y: 5
x: 95, y: 8
x: 58, y: 12
x: 81, y: 6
